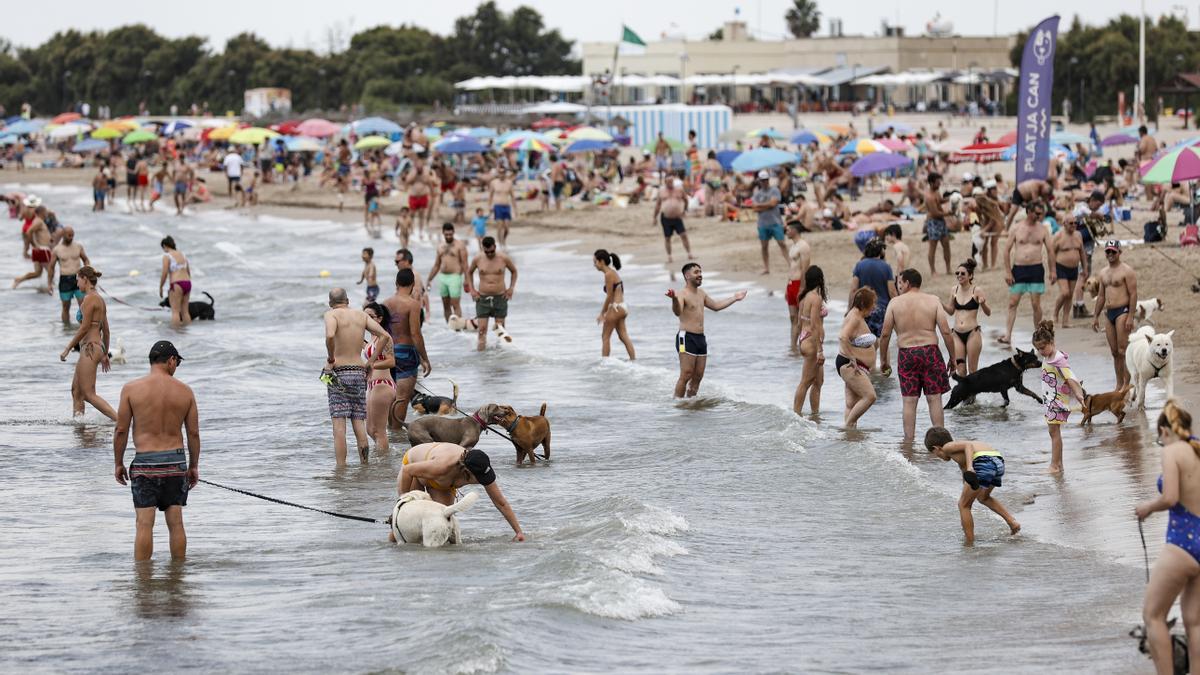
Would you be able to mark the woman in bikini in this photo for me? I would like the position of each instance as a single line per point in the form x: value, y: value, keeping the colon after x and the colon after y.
x: 381, y: 389
x: 811, y: 319
x: 966, y: 299
x: 1177, y: 569
x: 175, y: 268
x: 440, y: 469
x: 856, y: 353
x: 615, y: 311
x: 92, y: 338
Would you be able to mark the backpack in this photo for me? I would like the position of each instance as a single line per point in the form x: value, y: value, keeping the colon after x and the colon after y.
x: 1152, y: 231
x: 1190, y: 236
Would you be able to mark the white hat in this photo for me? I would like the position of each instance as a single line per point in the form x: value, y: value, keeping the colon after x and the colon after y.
x: 33, y: 201
x: 764, y: 174
x: 968, y: 176
x: 977, y: 191
x: 645, y: 153
x: 677, y: 183
x: 828, y: 213
x: 989, y: 184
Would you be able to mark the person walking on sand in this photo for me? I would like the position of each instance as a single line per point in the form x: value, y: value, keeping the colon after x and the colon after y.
x: 69, y: 256
x: 1068, y: 253
x: 1058, y: 386
x: 502, y: 203
x: 448, y: 266
x: 345, y: 373
x: 491, y: 294
x: 160, y: 475
x: 689, y: 304
x: 92, y: 338
x: 408, y: 344
x: 811, y: 321
x: 1177, y: 569
x: 669, y: 208
x: 982, y: 470
x: 936, y: 232
x: 614, y: 310
x: 799, y: 257
x: 176, y: 269
x: 765, y: 202
x: 966, y: 301
x: 917, y: 318
x: 1118, y: 298
x: 1027, y: 274
x: 856, y: 353
x: 182, y: 176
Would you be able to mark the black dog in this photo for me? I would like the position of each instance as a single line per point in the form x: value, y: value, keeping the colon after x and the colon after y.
x: 997, y: 378
x: 427, y: 404
x: 200, y: 311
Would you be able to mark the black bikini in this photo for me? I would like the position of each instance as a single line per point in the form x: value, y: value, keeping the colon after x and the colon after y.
x: 973, y: 304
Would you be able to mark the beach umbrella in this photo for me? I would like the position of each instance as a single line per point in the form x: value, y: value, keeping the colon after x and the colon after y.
x: 250, y: 136
x: 1177, y: 166
x: 139, y: 136
x: 587, y: 145
x: 1118, y: 139
x: 1008, y: 139
x: 459, y: 145
x: 89, y: 145
x: 481, y: 132
x: 556, y: 134
x: 10, y: 139
x: 762, y: 158
x: 805, y: 136
x: 317, y: 128
x: 980, y: 153
x: 374, y: 125
x: 726, y: 157
x: 525, y: 133
x: 588, y: 134
x: 126, y: 123
x: 1067, y: 138
x: 1010, y: 153
x: 370, y: 142
x: 863, y: 146
x: 433, y: 132
x: 287, y: 127
x: 222, y: 133
x: 63, y: 118
x: 69, y: 130
x: 676, y: 146
x: 769, y: 132
x: 527, y: 144
x: 895, y: 144
x: 175, y: 126
x: 878, y: 162
x: 840, y: 129
x: 24, y: 127
x: 301, y: 144
x: 107, y: 133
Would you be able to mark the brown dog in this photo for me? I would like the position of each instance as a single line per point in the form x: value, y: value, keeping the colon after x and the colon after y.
x: 527, y: 432
x: 1113, y: 402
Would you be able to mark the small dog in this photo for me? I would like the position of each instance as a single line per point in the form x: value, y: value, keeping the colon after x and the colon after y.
x: 427, y: 404
x: 1147, y: 357
x: 199, y: 311
x: 118, y: 355
x: 1147, y: 308
x: 527, y: 432
x: 977, y: 243
x: 417, y: 519
x: 1092, y: 286
x: 1179, y: 647
x: 997, y: 378
x: 464, y: 431
x: 458, y: 324
x: 1112, y: 401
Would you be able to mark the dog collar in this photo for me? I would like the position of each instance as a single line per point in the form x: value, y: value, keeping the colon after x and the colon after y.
x: 475, y: 416
x: 512, y: 426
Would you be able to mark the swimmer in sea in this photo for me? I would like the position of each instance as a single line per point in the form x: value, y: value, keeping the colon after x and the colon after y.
x: 981, y: 474
x: 689, y: 304
x: 440, y: 469
x: 856, y: 354
x: 93, y: 339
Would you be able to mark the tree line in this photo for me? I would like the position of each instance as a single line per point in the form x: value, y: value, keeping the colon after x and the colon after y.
x: 381, y: 67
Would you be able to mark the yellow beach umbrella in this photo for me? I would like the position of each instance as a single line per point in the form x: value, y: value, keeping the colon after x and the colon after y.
x: 107, y: 133
x: 250, y: 135
x: 369, y: 142
x: 223, y: 133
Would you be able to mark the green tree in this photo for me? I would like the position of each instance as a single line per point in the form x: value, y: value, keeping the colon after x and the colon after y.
x: 803, y: 19
x: 717, y: 35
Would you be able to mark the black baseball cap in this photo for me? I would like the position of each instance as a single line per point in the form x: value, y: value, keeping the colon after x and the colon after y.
x: 163, y: 350
x: 480, y: 466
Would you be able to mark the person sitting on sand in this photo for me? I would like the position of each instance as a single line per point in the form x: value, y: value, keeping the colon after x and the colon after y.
x: 979, y: 478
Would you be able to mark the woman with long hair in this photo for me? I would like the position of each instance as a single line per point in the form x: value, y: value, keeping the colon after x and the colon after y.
x: 614, y: 311
x: 966, y: 300
x: 811, y: 319
x: 92, y: 338
x: 175, y: 269
x: 1177, y: 569
x: 856, y: 353
x: 381, y: 388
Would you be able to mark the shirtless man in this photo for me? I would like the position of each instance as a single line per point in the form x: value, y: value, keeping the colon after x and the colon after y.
x: 416, y: 181
x: 142, y: 170
x: 662, y: 157
x: 799, y: 257
x: 1027, y: 192
x: 558, y: 180
x: 689, y: 304
x: 713, y: 174
x: 935, y: 223
x: 893, y: 237
x: 38, y: 241
x: 182, y: 176
x: 440, y: 469
x: 669, y: 208
x: 1068, y: 253
x: 92, y: 338
x: 404, y: 261
x: 69, y: 256
x: 345, y: 374
x: 447, y: 271
x: 502, y: 203
x: 159, y: 476
x: 408, y: 345
x: 491, y: 294
x: 917, y: 318
x: 1027, y: 275
x: 1146, y: 146
x: 1118, y: 298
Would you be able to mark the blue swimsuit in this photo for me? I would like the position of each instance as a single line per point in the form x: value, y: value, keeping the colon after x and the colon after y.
x: 1183, y: 528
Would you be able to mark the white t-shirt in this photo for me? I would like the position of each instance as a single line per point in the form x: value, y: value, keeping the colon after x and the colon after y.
x: 233, y: 165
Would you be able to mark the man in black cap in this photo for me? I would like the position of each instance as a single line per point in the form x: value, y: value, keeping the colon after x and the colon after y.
x: 440, y: 469
x: 160, y: 475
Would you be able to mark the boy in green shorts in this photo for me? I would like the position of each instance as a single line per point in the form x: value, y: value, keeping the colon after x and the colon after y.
x: 984, y: 472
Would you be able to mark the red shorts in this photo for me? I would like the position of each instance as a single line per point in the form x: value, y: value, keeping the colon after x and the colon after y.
x: 921, y: 369
x: 418, y: 203
x: 40, y: 255
x: 793, y: 292
x: 143, y: 179
x: 447, y: 187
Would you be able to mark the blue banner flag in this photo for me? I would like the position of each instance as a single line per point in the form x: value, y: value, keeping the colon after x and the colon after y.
x: 1033, y: 101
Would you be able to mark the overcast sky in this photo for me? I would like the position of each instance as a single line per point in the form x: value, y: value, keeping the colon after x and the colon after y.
x: 306, y: 23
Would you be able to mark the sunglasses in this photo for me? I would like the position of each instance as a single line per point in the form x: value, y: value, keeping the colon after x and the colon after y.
x: 960, y: 274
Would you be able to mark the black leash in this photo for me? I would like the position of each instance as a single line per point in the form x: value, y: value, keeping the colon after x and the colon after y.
x: 299, y: 506
x: 1145, y: 553
x: 128, y: 304
x: 486, y: 426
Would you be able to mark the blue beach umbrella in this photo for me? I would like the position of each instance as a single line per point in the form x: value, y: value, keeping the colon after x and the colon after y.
x: 726, y: 157
x: 89, y: 145
x: 375, y: 125
x: 175, y: 126
x: 878, y: 162
x: 459, y: 145
x: 762, y: 158
x: 24, y: 127
x: 481, y: 132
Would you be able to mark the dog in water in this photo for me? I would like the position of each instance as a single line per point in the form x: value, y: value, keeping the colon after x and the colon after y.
x: 464, y: 431
x: 1180, y: 661
x: 1112, y: 401
x: 1147, y: 357
x: 997, y: 378
x: 428, y: 404
x: 417, y: 519
x: 458, y: 324
x: 527, y: 432
x: 118, y: 355
x: 200, y: 311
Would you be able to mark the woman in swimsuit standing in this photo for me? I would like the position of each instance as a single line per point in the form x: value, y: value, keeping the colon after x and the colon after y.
x: 1177, y: 569
x: 615, y: 311
x: 381, y: 389
x: 856, y: 353
x: 966, y: 318
x: 175, y: 267
x: 92, y: 339
x: 811, y: 317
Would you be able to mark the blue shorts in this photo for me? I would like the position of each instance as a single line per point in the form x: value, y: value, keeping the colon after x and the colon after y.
x: 501, y: 212
x: 772, y: 231
x: 935, y: 229
x: 875, y: 319
x: 372, y: 293
x: 989, y: 469
x: 407, y: 362
x: 68, y: 287
x: 1028, y: 279
x: 481, y: 230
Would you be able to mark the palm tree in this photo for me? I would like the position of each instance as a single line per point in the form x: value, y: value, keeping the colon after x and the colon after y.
x: 803, y: 19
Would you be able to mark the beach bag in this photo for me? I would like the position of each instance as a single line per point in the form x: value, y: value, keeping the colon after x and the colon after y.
x: 1152, y: 231
x: 1190, y: 236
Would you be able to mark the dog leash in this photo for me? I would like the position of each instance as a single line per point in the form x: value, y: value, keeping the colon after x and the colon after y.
x: 345, y: 516
x: 485, y: 425
x: 1145, y: 553
x: 127, y: 304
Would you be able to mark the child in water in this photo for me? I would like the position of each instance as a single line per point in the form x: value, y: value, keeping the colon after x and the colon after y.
x: 1058, y: 386
x: 980, y: 477
x: 479, y: 222
x: 369, y: 274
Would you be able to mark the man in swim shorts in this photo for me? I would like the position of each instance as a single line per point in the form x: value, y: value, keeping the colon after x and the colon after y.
x: 917, y: 318
x: 408, y: 345
x: 766, y: 199
x: 418, y: 180
x: 1118, y: 299
x: 502, y: 203
x: 799, y: 255
x: 1026, y: 268
x: 669, y: 208
x: 983, y: 470
x: 491, y: 295
x: 38, y: 240
x: 936, y: 232
x: 689, y: 303
x: 156, y: 407
x: 447, y: 272
x: 345, y: 373
x: 69, y: 256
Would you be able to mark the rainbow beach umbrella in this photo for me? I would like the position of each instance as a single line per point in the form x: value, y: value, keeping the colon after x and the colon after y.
x: 527, y: 144
x: 1177, y: 166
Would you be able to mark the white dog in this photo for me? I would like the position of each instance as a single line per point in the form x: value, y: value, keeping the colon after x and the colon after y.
x: 1147, y: 357
x: 117, y: 356
x: 417, y: 519
x: 1147, y: 308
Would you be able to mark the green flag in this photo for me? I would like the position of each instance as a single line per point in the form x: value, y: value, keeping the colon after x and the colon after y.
x: 631, y: 37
